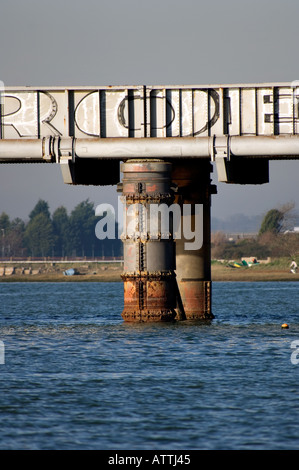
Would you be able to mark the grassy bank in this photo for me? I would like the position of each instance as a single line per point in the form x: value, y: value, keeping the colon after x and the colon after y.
x: 278, y: 270
x: 54, y: 272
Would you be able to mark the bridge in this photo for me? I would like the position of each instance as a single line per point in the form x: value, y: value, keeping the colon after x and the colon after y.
x: 157, y: 144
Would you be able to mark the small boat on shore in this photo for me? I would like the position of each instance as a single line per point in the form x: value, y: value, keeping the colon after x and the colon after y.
x: 70, y: 272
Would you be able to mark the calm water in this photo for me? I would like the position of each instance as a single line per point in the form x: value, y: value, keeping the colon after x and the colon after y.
x: 77, y: 377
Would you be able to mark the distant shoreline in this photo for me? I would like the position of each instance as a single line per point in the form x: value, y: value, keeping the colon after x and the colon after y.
x: 112, y: 273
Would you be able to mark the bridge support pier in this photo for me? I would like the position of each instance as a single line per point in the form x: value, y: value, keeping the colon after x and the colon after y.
x: 193, y: 264
x: 166, y: 279
x: 149, y: 257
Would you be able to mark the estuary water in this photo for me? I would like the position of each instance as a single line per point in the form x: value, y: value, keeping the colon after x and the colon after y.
x: 75, y: 376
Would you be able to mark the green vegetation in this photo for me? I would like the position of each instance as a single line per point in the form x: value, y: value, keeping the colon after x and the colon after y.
x: 56, y: 235
x: 263, y: 246
x: 273, y: 239
x: 272, y: 222
x: 73, y: 235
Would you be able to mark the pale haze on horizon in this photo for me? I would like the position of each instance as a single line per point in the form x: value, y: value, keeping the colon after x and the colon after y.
x: 165, y: 42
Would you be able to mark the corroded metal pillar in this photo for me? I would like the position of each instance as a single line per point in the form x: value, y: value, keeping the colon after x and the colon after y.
x: 193, y: 267
x: 149, y: 255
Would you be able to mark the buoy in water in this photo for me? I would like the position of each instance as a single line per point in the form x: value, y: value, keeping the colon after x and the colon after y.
x: 284, y: 325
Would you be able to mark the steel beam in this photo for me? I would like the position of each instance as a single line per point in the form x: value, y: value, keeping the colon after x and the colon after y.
x: 189, y: 147
x: 262, y: 109
x: 54, y: 149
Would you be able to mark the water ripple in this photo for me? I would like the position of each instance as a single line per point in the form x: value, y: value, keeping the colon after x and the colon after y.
x: 77, y: 377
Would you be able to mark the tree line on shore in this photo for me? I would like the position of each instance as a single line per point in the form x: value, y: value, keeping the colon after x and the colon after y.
x: 56, y: 235
x: 275, y: 238
x: 73, y: 235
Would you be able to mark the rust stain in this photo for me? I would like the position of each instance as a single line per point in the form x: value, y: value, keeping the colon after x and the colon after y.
x: 152, y: 188
x: 128, y: 188
x: 129, y: 291
x: 148, y: 300
x: 196, y: 298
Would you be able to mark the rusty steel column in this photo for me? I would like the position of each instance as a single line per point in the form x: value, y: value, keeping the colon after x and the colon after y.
x: 193, y: 267
x: 149, y: 255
